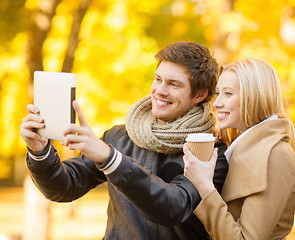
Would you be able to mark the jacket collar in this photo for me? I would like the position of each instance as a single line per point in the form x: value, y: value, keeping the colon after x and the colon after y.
x: 231, y: 148
x: 248, y: 166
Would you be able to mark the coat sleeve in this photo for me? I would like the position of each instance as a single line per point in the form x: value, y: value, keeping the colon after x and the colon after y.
x: 261, y: 212
x: 165, y: 203
x: 64, y: 181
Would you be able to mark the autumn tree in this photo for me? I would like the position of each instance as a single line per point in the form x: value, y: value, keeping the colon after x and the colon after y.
x: 111, y: 44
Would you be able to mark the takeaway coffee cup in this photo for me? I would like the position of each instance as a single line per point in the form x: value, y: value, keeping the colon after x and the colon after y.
x: 201, y: 145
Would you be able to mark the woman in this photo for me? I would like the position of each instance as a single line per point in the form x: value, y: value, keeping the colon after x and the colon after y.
x: 257, y: 201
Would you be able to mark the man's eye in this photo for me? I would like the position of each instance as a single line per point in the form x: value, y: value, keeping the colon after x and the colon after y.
x: 174, y: 84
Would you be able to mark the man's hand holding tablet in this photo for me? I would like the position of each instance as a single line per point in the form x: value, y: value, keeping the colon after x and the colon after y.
x: 52, y: 112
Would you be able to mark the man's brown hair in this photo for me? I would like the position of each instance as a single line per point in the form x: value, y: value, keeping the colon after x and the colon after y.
x: 199, y: 62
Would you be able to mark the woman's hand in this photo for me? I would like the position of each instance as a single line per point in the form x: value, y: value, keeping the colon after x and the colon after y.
x: 83, y: 139
x: 28, y: 128
x: 200, y: 173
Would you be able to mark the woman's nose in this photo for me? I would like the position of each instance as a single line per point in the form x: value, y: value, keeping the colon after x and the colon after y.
x: 217, y: 103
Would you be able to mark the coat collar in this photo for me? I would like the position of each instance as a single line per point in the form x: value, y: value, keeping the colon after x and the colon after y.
x: 231, y: 148
x: 248, y: 166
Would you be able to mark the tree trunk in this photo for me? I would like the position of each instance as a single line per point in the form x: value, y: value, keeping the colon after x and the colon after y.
x: 231, y: 4
x: 74, y: 35
x: 41, y: 24
x: 36, y: 206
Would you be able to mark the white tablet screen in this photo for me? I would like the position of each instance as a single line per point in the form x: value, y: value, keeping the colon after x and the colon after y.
x: 54, y: 93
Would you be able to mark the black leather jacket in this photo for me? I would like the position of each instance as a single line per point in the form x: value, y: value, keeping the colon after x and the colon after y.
x: 149, y: 196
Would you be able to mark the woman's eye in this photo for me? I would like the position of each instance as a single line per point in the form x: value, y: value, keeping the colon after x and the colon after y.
x: 216, y: 93
x: 227, y: 93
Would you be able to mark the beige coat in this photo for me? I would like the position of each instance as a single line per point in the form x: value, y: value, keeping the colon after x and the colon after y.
x: 258, y: 198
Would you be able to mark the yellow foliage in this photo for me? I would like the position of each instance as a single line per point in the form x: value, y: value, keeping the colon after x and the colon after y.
x: 114, y: 61
x: 31, y: 4
x: 5, y: 170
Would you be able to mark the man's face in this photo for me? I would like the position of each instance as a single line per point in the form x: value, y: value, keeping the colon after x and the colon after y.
x: 171, y: 92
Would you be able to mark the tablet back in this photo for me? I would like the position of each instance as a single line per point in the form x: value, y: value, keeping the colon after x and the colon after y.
x: 54, y: 93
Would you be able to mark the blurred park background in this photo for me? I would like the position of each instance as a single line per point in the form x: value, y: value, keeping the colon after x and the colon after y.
x: 110, y: 45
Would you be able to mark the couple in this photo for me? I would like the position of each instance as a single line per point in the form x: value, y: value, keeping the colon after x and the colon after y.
x: 156, y: 191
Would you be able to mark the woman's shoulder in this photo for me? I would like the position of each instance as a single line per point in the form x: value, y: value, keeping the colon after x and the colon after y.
x: 282, y: 156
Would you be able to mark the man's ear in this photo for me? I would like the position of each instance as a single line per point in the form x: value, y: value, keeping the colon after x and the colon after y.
x: 200, y: 96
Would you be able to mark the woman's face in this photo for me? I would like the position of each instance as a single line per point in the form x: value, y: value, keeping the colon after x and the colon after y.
x: 227, y: 100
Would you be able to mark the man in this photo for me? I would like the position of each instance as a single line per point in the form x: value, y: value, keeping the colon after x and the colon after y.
x: 141, y: 160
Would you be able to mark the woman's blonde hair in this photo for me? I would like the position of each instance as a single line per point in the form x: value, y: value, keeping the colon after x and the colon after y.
x: 260, y: 94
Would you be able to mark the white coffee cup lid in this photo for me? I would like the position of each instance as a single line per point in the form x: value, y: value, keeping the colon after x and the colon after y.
x: 200, y: 137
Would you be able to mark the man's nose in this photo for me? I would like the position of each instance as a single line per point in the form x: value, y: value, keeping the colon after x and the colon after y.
x: 162, y: 89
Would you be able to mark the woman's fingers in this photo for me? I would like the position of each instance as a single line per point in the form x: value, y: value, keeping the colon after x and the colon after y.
x: 214, y: 156
x: 187, y: 151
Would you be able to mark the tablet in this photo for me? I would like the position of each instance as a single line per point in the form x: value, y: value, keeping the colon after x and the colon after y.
x: 54, y: 93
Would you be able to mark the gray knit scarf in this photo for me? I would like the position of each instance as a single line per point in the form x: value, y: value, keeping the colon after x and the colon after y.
x: 146, y: 132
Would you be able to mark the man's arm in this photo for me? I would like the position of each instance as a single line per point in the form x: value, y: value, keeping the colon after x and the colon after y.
x: 58, y: 181
x: 161, y: 202
x: 62, y: 181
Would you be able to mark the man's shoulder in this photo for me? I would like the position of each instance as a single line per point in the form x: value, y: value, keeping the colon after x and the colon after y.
x: 221, y: 149
x: 115, y: 132
x: 118, y: 129
x: 220, y: 146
